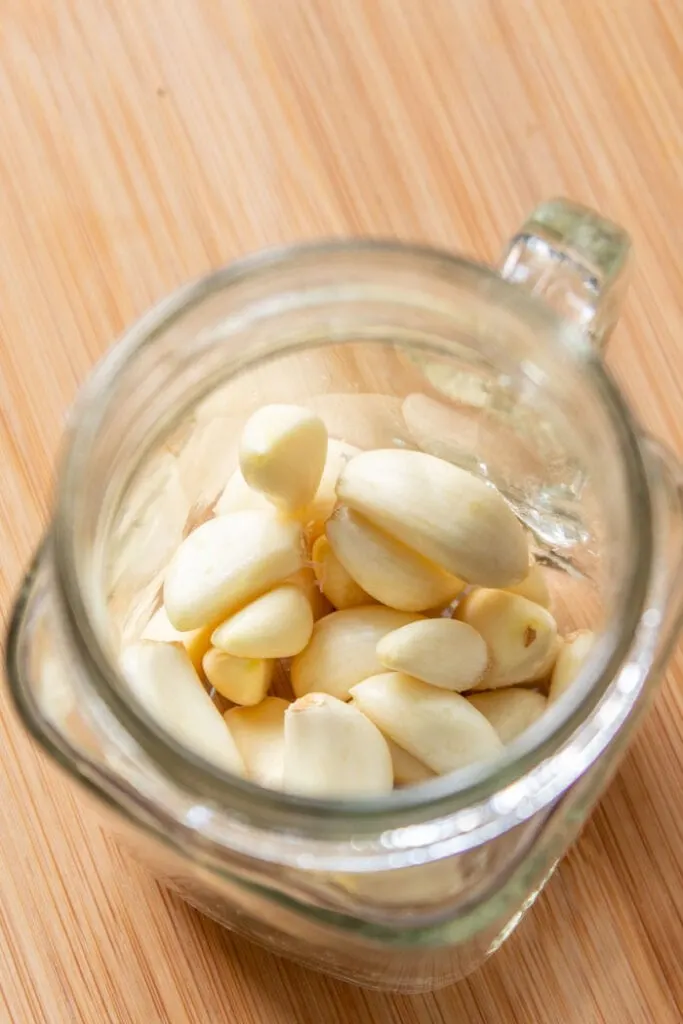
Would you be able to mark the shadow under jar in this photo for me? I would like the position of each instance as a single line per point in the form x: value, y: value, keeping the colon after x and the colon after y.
x: 392, y: 345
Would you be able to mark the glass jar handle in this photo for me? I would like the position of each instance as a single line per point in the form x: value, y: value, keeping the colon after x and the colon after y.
x: 573, y: 259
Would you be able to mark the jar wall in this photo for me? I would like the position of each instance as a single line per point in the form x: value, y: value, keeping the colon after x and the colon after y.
x: 396, y: 959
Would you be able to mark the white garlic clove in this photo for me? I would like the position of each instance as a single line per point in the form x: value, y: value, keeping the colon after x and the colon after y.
x: 439, y: 728
x: 162, y: 678
x: 238, y: 496
x: 195, y: 641
x: 259, y: 733
x: 435, y: 883
x: 510, y: 711
x: 226, y: 562
x: 442, y: 652
x: 241, y: 680
x: 282, y: 454
x: 331, y: 749
x: 446, y: 514
x: 534, y: 586
x: 385, y: 568
x: 307, y: 583
x: 343, y: 650
x: 318, y: 511
x: 337, y: 585
x: 408, y: 771
x: 276, y: 625
x: 521, y: 636
x: 204, y: 450
x: 574, y: 650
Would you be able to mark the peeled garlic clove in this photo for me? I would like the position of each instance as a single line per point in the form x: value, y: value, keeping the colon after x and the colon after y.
x: 439, y: 728
x: 226, y: 562
x: 511, y: 711
x: 573, y: 652
x: 444, y: 513
x: 204, y: 451
x: 435, y: 882
x: 521, y: 636
x: 307, y: 583
x: 238, y: 496
x: 315, y: 514
x: 241, y: 680
x: 408, y: 771
x: 442, y: 652
x: 162, y: 678
x: 331, y: 749
x: 336, y: 583
x: 534, y: 586
x: 148, y: 528
x: 386, y: 569
x: 259, y: 733
x: 282, y: 454
x: 196, y: 641
x: 276, y: 625
x: 343, y: 650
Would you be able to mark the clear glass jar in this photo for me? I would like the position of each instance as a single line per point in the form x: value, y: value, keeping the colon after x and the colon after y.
x: 394, y: 345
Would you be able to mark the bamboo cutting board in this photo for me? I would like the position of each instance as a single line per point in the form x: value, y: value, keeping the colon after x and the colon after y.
x: 142, y: 144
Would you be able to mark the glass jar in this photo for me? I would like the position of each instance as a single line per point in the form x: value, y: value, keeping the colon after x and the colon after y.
x: 395, y: 346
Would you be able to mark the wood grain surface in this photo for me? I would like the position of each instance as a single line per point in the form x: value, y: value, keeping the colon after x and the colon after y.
x: 143, y: 143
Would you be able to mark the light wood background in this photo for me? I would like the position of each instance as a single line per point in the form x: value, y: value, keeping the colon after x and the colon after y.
x: 142, y: 143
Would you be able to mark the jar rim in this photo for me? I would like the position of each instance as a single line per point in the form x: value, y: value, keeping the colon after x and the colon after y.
x: 474, y: 786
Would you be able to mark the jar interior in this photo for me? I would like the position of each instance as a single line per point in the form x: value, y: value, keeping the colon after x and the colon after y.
x: 391, y: 349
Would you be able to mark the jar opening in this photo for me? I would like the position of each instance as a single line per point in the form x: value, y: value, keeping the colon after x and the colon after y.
x: 436, y: 318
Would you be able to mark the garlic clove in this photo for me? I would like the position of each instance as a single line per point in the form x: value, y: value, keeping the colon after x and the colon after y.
x: 408, y: 771
x: 307, y: 583
x: 337, y: 585
x: 195, y: 641
x: 343, y: 650
x: 439, y: 728
x: 276, y: 625
x: 331, y: 749
x: 282, y: 454
x: 241, y: 680
x: 534, y: 586
x: 442, y: 652
x: 227, y: 562
x: 162, y: 678
x: 386, y: 569
x: 430, y: 885
x: 238, y: 496
x: 318, y: 511
x: 521, y: 636
x: 259, y: 733
x: 574, y: 650
x: 444, y: 513
x: 510, y: 711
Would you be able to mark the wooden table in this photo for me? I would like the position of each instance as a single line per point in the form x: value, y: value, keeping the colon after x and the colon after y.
x: 143, y: 143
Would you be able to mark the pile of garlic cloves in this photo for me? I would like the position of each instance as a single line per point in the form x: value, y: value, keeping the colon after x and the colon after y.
x: 391, y: 590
